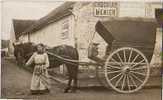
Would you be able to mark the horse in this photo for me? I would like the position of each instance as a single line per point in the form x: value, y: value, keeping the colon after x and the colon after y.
x: 23, y: 51
x: 18, y: 51
x: 64, y: 51
x: 67, y: 52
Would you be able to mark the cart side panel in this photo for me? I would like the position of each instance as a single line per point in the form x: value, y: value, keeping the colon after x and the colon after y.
x: 138, y: 33
x: 146, y: 49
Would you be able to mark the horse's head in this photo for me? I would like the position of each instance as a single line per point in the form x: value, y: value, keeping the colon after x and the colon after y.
x: 19, y: 53
x: 18, y: 49
x: 24, y: 50
x: 29, y: 48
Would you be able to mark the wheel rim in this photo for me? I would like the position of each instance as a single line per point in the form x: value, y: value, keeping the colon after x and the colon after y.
x: 126, y: 70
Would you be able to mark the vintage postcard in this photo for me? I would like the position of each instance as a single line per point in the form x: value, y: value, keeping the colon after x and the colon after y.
x: 81, y: 50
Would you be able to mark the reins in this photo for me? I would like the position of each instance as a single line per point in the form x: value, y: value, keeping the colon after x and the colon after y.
x: 73, y: 62
x: 76, y: 62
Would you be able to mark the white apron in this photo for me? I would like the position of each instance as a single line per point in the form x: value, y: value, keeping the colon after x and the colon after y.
x: 40, y: 75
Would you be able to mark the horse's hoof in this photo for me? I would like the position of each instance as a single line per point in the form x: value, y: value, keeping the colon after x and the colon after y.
x: 65, y: 91
x: 73, y: 91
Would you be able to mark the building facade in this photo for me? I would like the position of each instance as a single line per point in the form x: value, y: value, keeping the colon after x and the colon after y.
x: 78, y: 28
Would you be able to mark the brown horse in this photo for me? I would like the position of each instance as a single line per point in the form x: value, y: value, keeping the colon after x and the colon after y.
x: 23, y: 52
x: 67, y: 52
x: 64, y: 51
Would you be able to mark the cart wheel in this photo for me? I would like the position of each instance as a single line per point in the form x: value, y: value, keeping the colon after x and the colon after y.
x: 126, y: 70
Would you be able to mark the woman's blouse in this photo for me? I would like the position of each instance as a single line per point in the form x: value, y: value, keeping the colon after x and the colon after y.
x: 39, y: 59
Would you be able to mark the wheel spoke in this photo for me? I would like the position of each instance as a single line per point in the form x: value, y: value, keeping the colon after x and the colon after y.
x: 128, y: 82
x: 138, y: 63
x: 116, y: 84
x: 138, y: 73
x: 116, y: 61
x: 143, y: 67
x: 112, y: 72
x: 135, y: 58
x: 123, y: 83
x: 113, y: 66
x: 130, y: 56
x: 115, y: 76
x: 124, y: 54
x: 119, y: 58
x: 137, y: 78
x: 133, y: 81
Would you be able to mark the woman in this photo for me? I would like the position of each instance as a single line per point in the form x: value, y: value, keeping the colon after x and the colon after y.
x: 41, y: 62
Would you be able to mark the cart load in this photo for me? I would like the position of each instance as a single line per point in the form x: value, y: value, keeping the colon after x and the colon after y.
x: 132, y: 42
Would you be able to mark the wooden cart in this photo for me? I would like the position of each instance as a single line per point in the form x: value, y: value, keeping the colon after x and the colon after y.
x: 127, y: 68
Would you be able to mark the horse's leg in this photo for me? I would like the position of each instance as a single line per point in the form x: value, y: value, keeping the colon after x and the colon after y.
x: 73, y: 72
x: 74, y: 87
x: 69, y: 79
x: 68, y: 85
x: 75, y: 79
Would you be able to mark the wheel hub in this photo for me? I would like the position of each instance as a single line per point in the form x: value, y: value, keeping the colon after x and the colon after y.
x: 125, y: 69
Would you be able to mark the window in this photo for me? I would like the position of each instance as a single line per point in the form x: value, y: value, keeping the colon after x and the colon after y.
x: 65, y: 29
x: 64, y: 35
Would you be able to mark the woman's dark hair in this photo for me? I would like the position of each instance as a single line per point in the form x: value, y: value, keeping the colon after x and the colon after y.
x: 40, y: 44
x: 41, y: 52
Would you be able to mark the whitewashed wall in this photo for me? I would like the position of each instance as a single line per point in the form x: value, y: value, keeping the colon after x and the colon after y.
x: 85, y: 29
x: 131, y: 9
x: 12, y: 39
x: 51, y: 34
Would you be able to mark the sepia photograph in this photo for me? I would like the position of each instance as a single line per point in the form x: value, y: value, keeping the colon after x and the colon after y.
x: 81, y: 50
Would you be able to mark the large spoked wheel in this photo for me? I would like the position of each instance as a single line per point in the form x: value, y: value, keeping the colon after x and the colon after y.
x: 126, y: 70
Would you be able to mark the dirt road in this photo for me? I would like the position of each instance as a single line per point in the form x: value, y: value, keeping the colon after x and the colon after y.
x: 16, y: 83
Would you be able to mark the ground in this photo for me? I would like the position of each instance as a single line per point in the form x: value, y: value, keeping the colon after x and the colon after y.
x: 16, y: 83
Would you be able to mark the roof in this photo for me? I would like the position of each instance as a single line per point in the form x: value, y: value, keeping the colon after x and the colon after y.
x: 130, y: 30
x: 55, y: 15
x: 20, y: 25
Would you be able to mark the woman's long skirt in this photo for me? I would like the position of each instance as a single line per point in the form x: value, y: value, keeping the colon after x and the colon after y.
x: 40, y: 81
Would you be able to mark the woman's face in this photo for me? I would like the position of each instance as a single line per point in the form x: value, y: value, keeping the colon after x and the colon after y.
x: 39, y: 48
